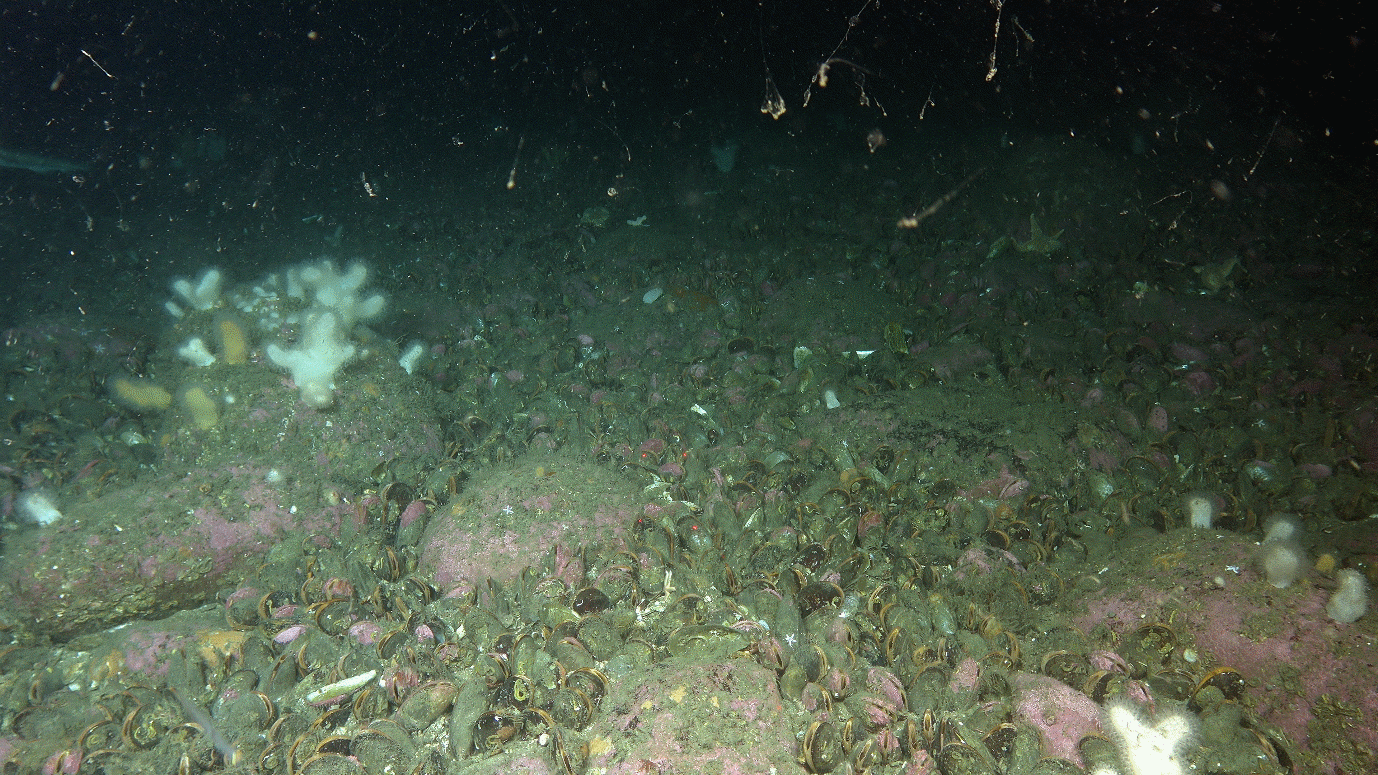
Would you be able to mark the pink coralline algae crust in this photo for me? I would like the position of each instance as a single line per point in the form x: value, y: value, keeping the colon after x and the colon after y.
x: 723, y: 718
x: 1286, y: 646
x: 965, y: 677
x: 1292, y: 656
x: 145, y: 650
x: 1121, y: 613
x: 512, y: 519
x: 1061, y: 714
x: 161, y: 547
x: 460, y: 553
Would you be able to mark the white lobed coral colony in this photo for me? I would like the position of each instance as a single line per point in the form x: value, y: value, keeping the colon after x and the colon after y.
x: 203, y: 294
x: 324, y: 344
x: 336, y: 304
x: 328, y: 288
x: 322, y: 350
x: 411, y: 357
x: 1157, y: 747
x: 195, y: 352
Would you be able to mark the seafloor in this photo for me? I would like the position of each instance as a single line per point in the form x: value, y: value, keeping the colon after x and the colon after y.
x: 758, y: 482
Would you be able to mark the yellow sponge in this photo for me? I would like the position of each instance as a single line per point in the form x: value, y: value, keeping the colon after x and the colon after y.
x: 204, y: 411
x: 234, y: 341
x: 141, y: 395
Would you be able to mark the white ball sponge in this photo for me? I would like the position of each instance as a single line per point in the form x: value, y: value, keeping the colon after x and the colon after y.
x: 1281, y: 527
x: 38, y: 506
x: 1350, y: 600
x: 1283, y: 562
x: 1202, y: 508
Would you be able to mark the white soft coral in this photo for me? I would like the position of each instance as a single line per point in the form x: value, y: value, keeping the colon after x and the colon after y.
x: 328, y: 287
x: 316, y: 358
x: 203, y: 294
x: 336, y: 306
x: 1157, y: 748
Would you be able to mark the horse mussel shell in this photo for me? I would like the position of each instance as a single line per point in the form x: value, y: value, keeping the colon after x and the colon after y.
x: 621, y: 582
x: 693, y: 534
x: 1067, y: 667
x: 1149, y: 648
x: 424, y: 705
x: 1173, y: 684
x: 1226, y: 680
x: 812, y: 556
x: 600, y: 636
x: 328, y: 764
x: 866, y: 641
x: 1001, y: 740
x: 334, y: 616
x: 961, y: 759
x: 570, y: 707
x: 591, y: 601
x: 494, y: 729
x: 570, y: 757
x: 516, y: 692
x: 817, y: 595
x: 1104, y: 685
x: 145, y: 725
x: 822, y: 746
x: 591, y: 681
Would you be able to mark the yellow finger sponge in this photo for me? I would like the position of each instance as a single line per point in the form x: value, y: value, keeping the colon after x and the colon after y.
x: 234, y: 341
x: 200, y: 406
x: 141, y: 395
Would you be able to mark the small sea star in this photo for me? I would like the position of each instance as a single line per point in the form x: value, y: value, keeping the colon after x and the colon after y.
x: 790, y: 640
x: 508, y: 510
x: 1039, y: 242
